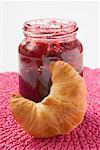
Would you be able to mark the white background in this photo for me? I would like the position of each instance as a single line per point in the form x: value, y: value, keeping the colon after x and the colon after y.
x: 14, y: 14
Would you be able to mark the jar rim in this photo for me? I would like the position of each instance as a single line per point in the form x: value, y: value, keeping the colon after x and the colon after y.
x: 50, y: 29
x: 50, y: 25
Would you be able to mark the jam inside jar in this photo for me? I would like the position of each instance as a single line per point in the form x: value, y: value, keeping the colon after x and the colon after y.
x: 46, y: 40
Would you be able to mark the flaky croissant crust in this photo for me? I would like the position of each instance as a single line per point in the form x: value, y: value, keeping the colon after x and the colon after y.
x: 58, y: 113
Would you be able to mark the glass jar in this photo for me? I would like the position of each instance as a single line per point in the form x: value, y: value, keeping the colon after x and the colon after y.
x: 46, y: 40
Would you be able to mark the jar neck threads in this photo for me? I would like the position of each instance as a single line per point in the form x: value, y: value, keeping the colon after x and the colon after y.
x: 50, y: 30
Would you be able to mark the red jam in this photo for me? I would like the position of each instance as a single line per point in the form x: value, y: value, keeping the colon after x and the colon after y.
x: 39, y: 48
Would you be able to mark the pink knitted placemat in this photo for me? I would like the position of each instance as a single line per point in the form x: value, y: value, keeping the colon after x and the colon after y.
x: 85, y: 137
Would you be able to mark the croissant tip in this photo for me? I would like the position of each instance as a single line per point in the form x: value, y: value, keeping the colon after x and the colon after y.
x: 51, y: 66
x: 57, y: 63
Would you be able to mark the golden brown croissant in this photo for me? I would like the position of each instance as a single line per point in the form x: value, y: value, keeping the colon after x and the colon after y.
x: 58, y: 113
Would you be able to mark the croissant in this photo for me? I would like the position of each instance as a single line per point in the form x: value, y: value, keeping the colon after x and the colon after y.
x: 58, y: 113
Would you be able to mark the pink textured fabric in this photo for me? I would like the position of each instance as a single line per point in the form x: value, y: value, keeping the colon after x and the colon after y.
x: 85, y: 137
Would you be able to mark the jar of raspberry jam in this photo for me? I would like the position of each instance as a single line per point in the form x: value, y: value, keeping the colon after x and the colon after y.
x: 46, y: 40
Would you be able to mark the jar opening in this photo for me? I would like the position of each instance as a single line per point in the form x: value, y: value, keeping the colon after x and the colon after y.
x: 50, y: 28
